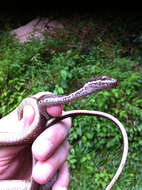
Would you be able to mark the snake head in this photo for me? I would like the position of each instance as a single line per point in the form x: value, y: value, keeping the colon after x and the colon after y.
x: 100, y: 83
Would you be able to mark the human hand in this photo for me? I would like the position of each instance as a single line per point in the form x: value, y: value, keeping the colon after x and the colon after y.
x: 50, y: 149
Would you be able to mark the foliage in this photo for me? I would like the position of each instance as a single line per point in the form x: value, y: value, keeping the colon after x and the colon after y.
x: 61, y: 64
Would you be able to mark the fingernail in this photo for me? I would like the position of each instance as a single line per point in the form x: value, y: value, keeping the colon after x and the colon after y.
x: 28, y: 115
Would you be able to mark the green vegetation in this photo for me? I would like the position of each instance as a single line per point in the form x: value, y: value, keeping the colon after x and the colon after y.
x: 61, y: 64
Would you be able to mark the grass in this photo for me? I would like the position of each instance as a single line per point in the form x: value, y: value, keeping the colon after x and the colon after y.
x: 85, y: 48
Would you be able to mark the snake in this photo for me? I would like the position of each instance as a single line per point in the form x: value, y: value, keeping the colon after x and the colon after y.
x: 43, y: 120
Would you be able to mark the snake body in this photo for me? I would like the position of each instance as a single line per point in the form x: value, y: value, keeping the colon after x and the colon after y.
x: 40, y: 123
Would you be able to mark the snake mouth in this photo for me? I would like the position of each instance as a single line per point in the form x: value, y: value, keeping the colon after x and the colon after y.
x: 116, y: 83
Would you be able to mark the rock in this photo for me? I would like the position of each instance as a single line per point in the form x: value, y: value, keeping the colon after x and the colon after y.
x: 35, y: 28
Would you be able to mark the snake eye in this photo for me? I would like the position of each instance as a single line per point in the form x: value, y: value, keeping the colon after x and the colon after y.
x: 104, y: 78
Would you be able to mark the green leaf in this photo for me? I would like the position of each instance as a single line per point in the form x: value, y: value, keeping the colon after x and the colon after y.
x: 64, y: 74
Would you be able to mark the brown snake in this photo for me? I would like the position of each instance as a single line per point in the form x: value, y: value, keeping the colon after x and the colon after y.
x: 42, y: 120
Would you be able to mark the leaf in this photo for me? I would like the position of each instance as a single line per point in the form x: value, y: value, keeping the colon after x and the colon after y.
x: 64, y: 74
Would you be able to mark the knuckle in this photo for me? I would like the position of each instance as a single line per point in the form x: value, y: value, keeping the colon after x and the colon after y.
x: 65, y: 147
x: 61, y: 131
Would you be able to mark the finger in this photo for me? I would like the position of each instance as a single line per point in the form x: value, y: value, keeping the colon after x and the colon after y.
x: 63, y: 178
x: 44, y: 170
x: 28, y: 116
x: 50, y: 139
x: 55, y: 111
x: 11, y: 124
